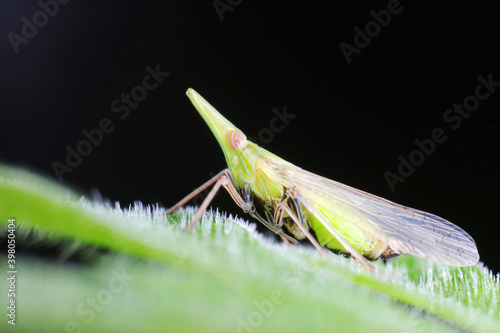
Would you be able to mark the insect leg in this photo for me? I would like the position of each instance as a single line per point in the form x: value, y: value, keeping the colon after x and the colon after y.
x: 294, y: 193
x: 249, y: 208
x: 224, y: 179
x: 196, y: 192
x: 282, y: 207
x: 206, y: 202
x: 282, y: 235
x: 271, y: 225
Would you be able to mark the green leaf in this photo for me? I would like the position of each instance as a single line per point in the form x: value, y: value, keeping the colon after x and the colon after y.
x: 136, y: 270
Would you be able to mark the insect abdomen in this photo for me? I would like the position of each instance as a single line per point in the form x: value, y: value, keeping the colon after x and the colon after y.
x: 367, y: 245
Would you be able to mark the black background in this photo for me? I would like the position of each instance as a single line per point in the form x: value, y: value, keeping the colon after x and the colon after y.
x: 352, y: 120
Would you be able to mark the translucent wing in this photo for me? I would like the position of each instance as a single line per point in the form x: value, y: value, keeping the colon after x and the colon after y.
x: 404, y: 229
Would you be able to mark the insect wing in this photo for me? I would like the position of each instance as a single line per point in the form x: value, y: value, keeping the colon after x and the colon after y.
x: 404, y: 229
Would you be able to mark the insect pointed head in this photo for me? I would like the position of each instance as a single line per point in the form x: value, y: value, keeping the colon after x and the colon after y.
x: 242, y: 156
x: 230, y: 138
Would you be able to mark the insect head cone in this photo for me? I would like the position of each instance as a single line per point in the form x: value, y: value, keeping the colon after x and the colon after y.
x: 230, y: 138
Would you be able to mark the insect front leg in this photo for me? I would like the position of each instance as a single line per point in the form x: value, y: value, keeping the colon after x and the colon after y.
x: 219, y: 179
x: 224, y: 179
x: 295, y: 194
x: 197, y: 191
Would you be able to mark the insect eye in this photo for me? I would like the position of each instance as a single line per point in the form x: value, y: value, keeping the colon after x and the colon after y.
x: 235, y: 139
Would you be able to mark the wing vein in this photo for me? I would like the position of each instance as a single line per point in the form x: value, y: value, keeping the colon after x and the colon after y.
x: 405, y: 229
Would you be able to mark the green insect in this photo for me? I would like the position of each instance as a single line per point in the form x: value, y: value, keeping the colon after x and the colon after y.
x: 329, y: 214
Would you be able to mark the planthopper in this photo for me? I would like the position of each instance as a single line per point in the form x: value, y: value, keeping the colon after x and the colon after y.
x: 297, y: 204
